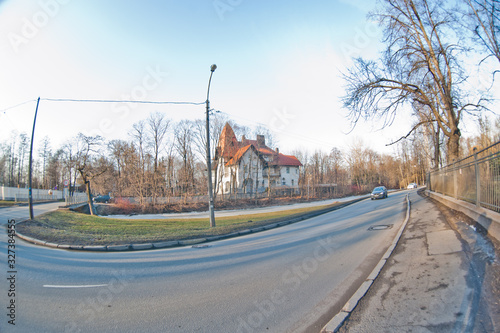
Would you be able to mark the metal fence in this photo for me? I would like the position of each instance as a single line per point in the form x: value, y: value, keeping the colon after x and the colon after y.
x: 76, y: 198
x: 475, y: 179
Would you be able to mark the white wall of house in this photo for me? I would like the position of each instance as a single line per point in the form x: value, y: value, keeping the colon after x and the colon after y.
x: 282, y: 176
x: 289, y: 176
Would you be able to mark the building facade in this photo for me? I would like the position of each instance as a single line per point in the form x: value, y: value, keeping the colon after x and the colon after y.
x: 249, y: 166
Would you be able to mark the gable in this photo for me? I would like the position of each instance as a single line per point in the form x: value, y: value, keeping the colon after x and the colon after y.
x: 228, y: 144
x: 233, y: 150
x: 249, y: 149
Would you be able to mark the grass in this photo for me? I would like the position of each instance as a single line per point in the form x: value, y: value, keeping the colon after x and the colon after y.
x: 4, y: 203
x: 68, y: 227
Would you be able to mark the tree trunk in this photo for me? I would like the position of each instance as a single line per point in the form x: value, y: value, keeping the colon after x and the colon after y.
x: 89, y: 198
x: 453, y: 145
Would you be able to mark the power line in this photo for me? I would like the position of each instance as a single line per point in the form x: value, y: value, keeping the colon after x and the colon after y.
x: 15, y: 106
x: 99, y: 101
x: 117, y: 101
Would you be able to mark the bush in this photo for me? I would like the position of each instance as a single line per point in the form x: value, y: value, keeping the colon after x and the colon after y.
x: 124, y: 206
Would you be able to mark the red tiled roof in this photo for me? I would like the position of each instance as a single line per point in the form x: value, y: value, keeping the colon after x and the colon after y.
x: 239, y: 154
x: 266, y: 151
x: 228, y: 143
x: 286, y: 160
x: 232, y: 149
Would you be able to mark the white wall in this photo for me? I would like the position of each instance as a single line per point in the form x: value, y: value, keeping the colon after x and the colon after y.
x: 22, y: 194
x: 289, y: 176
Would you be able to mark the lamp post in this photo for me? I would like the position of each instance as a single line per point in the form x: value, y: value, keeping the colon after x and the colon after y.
x: 209, y: 163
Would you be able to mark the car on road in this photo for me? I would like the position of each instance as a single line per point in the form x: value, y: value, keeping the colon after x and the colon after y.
x: 412, y: 185
x: 379, y: 192
x: 102, y: 199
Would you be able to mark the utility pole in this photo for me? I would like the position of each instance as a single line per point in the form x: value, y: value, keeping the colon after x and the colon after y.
x: 30, y: 191
x: 209, y: 163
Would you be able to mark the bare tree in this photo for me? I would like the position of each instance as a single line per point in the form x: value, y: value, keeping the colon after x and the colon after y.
x: 271, y: 140
x: 67, y: 156
x: 3, y: 163
x: 183, y: 140
x: 45, y: 152
x: 485, y: 16
x: 158, y: 126
x: 138, y: 134
x: 420, y: 66
x: 22, y: 152
x: 217, y: 122
x: 88, y: 164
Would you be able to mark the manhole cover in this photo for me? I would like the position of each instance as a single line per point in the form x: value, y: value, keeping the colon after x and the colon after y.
x: 380, y: 227
x: 200, y: 246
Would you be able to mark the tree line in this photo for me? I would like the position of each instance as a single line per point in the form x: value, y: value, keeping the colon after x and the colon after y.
x: 161, y: 159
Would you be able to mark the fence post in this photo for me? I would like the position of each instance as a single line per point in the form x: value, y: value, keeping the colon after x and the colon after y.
x: 478, y: 181
x: 455, y: 183
x: 443, y: 192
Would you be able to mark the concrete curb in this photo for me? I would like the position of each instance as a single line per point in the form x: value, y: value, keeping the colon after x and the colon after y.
x: 488, y: 219
x: 338, y: 320
x: 183, y: 242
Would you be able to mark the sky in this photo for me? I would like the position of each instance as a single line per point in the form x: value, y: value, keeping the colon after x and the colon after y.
x: 279, y: 65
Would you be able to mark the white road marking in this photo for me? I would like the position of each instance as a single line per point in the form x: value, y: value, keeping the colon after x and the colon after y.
x: 76, y: 286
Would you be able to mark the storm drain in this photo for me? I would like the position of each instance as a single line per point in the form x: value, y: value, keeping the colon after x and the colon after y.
x: 380, y: 227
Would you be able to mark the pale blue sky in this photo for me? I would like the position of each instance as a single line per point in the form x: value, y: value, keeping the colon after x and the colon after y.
x: 278, y: 65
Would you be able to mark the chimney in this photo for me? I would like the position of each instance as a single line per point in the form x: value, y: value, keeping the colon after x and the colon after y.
x: 261, y: 140
x: 277, y: 150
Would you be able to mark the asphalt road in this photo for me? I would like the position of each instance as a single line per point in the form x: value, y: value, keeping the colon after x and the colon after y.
x: 234, y: 212
x: 289, y: 279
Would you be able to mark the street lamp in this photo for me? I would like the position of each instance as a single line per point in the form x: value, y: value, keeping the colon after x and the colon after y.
x: 209, y: 164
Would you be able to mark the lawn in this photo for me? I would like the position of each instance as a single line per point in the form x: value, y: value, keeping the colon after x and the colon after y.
x: 4, y: 203
x: 68, y: 227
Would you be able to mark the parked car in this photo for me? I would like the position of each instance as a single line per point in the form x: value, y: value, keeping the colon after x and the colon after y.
x: 379, y: 192
x: 102, y: 199
x: 412, y: 185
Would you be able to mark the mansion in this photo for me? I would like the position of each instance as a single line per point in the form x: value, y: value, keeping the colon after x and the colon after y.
x: 249, y: 166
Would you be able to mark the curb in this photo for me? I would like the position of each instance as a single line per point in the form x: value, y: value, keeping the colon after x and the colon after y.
x: 338, y: 320
x: 488, y: 219
x: 183, y: 242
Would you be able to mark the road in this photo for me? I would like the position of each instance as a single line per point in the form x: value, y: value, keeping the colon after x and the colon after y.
x: 289, y: 279
x: 234, y: 212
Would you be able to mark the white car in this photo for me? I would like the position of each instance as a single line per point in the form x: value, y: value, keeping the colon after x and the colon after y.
x: 412, y: 185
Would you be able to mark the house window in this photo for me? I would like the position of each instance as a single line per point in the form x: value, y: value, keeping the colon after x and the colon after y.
x: 287, y: 169
x: 283, y: 181
x: 292, y: 182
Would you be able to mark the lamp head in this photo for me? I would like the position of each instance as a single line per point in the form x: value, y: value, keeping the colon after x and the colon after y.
x: 213, y: 67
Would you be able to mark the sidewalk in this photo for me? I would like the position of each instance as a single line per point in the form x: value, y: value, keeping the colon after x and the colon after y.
x: 429, y: 284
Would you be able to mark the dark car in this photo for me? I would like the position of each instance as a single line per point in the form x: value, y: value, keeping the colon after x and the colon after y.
x: 379, y: 192
x: 102, y: 199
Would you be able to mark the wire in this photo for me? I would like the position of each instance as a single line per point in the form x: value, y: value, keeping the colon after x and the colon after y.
x: 116, y: 101
x: 15, y: 106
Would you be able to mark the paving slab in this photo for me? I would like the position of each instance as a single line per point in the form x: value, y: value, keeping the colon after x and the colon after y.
x: 443, y: 242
